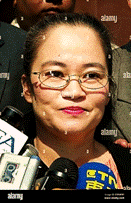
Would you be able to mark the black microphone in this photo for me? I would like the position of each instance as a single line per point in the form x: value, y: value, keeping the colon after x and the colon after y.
x: 12, y: 139
x: 12, y: 116
x: 63, y: 173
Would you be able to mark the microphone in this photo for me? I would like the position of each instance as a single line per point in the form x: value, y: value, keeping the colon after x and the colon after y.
x: 63, y: 173
x: 19, y: 172
x: 95, y: 175
x: 11, y: 139
x: 30, y: 151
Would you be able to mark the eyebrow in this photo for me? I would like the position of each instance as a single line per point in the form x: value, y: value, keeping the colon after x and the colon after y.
x: 95, y: 64
x: 63, y: 65
x: 55, y: 63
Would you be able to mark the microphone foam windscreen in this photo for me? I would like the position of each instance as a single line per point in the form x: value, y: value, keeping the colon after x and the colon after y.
x: 95, y: 175
x: 65, y: 172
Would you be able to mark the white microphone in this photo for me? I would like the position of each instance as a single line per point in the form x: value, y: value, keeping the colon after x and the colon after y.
x: 11, y: 139
x: 19, y: 172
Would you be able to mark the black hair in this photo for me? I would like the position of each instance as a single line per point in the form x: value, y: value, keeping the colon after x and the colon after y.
x: 36, y: 33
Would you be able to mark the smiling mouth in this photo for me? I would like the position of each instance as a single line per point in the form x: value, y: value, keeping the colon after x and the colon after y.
x: 74, y: 110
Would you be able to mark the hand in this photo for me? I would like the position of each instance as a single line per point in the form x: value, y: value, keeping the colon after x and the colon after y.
x: 123, y: 143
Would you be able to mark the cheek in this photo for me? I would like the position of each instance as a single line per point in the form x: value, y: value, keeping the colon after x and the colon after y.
x: 67, y: 4
x: 31, y: 7
x: 101, y: 100
x: 41, y: 104
x: 98, y: 100
x: 42, y: 96
x: 97, y: 103
x: 44, y: 100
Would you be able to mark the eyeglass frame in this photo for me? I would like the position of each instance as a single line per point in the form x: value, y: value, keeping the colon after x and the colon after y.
x: 68, y: 81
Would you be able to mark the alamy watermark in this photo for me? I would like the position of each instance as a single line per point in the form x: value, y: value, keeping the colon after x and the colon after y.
x: 5, y: 76
x: 109, y: 132
x: 109, y: 18
x: 15, y: 196
x: 126, y: 75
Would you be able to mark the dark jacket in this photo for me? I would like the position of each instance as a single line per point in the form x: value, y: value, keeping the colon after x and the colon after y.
x: 121, y: 114
x: 127, y: 46
x: 11, y: 67
x: 122, y: 158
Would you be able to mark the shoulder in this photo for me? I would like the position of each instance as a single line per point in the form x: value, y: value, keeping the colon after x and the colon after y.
x: 117, y: 150
x: 121, y: 63
x: 121, y: 71
x: 12, y: 40
x: 5, y: 26
x: 11, y: 34
x: 119, y: 153
x: 121, y: 56
x: 127, y: 46
x: 122, y: 158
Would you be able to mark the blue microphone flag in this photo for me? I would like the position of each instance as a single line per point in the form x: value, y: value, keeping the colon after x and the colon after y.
x: 95, y: 175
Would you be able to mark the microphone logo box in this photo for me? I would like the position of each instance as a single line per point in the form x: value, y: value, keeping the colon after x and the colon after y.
x: 11, y: 139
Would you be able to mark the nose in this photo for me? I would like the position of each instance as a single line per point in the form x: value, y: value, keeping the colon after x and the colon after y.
x: 73, y: 91
x: 55, y: 2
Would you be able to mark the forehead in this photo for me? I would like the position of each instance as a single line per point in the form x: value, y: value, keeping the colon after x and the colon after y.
x: 71, y: 44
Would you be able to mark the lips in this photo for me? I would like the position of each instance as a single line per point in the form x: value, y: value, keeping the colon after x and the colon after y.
x: 74, y: 110
x: 51, y: 11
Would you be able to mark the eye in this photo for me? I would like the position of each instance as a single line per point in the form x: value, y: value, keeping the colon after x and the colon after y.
x: 56, y: 74
x: 92, y: 75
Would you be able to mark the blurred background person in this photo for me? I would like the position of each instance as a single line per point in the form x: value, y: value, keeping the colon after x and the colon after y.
x: 28, y: 12
x: 128, y: 45
x: 121, y: 115
x: 11, y: 67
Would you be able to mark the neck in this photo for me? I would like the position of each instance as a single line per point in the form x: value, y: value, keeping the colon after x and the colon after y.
x: 78, y: 146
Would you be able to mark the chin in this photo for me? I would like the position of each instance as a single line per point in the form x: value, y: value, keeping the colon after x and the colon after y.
x: 73, y: 127
x: 80, y: 126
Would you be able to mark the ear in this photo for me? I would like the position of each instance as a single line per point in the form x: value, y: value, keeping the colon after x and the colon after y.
x: 108, y: 98
x: 26, y: 89
x: 14, y: 3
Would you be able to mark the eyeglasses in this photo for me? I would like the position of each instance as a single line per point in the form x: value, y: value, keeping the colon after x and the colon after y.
x: 56, y: 79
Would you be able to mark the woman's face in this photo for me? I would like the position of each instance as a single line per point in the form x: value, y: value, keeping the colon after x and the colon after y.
x: 72, y: 50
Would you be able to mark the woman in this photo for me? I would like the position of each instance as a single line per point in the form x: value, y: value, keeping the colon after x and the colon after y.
x: 68, y: 67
